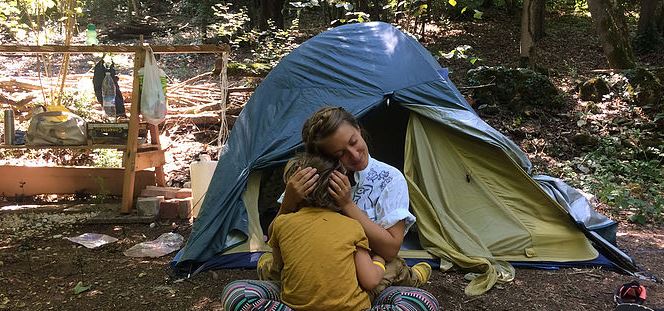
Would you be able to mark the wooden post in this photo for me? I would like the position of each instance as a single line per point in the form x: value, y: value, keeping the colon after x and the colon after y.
x: 160, y: 177
x: 129, y: 158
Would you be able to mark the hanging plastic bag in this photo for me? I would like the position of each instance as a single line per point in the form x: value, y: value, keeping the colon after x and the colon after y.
x: 153, y: 96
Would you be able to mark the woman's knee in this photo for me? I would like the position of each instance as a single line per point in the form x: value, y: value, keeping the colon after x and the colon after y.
x: 243, y: 292
x: 406, y: 298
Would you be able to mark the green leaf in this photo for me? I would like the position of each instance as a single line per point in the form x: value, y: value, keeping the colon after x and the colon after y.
x: 638, y: 218
x: 452, y: 2
x: 448, y: 55
x: 464, y: 9
x: 80, y: 288
x: 473, y: 60
x: 478, y: 14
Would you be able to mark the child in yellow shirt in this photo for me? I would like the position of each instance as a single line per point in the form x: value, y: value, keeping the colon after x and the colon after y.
x: 322, y: 258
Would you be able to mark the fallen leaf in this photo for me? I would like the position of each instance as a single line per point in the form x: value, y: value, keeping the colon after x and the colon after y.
x: 79, y: 288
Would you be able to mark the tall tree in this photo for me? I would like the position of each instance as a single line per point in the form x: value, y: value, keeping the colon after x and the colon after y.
x: 271, y: 10
x: 648, y: 35
x: 539, y: 9
x: 532, y: 30
x: 609, y: 21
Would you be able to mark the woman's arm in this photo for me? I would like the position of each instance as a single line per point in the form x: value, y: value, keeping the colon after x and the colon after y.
x: 368, y: 273
x: 384, y: 242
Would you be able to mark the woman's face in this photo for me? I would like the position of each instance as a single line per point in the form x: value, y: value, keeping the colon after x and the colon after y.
x: 347, y: 145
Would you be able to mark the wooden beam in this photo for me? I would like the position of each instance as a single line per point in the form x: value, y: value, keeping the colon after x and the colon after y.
x: 129, y: 158
x: 29, y: 181
x: 160, y: 49
x: 150, y: 159
x: 158, y: 169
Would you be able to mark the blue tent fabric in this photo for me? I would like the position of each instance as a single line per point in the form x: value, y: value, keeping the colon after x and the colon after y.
x: 358, y: 67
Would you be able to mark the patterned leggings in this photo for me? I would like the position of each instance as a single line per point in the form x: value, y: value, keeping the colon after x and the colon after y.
x: 246, y: 295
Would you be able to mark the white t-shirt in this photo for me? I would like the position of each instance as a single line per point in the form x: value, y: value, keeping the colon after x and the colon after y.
x: 381, y: 192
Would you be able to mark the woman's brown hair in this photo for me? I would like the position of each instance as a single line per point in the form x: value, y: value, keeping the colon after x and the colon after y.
x: 322, y: 124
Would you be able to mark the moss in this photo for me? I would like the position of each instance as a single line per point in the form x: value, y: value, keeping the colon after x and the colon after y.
x: 594, y: 89
x: 517, y: 89
x: 648, y: 88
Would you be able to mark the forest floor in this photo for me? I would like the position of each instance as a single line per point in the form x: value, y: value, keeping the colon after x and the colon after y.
x: 39, y: 269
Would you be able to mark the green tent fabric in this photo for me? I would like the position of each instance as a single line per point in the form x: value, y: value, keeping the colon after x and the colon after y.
x: 478, y: 209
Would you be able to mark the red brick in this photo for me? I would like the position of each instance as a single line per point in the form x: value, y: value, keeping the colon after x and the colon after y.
x: 168, y: 209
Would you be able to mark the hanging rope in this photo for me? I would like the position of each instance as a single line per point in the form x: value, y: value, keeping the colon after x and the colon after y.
x: 223, y: 81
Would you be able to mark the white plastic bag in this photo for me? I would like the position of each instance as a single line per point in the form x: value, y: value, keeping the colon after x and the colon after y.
x: 164, y: 244
x: 92, y: 240
x: 153, y: 98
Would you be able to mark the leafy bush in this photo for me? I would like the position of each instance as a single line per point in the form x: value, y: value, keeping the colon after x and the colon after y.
x: 517, y: 89
x: 622, y: 176
x: 266, y: 47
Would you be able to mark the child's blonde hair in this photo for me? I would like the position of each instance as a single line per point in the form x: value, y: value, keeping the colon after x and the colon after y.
x: 320, y: 196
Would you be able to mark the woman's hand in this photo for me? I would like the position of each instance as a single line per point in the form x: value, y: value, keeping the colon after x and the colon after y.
x: 340, y: 191
x: 298, y: 187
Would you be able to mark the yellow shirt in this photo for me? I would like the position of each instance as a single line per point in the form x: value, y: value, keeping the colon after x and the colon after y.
x: 318, y: 248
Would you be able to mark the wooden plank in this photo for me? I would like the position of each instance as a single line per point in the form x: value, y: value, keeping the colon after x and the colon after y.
x: 129, y: 158
x: 28, y: 181
x: 158, y: 169
x: 150, y: 159
x: 84, y: 147
x: 160, y: 49
x: 119, y: 219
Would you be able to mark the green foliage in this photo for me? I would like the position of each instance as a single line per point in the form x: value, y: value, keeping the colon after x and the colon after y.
x: 460, y: 52
x: 230, y: 25
x: 10, y: 22
x: 43, y: 18
x: 81, y: 102
x: 463, y: 9
x: 622, y: 176
x: 518, y: 89
x: 267, y: 47
x: 107, y: 158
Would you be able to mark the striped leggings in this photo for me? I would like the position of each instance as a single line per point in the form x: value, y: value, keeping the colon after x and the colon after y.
x: 246, y: 295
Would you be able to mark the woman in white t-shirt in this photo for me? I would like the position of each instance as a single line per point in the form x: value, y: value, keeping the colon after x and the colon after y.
x: 377, y: 198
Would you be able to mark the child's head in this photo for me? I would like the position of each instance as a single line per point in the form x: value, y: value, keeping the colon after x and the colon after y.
x: 319, y: 197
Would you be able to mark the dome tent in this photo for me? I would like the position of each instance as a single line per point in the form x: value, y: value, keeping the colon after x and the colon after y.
x: 477, y: 206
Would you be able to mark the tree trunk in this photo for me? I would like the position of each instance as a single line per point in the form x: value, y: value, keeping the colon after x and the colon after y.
x: 134, y: 5
x: 376, y: 10
x: 271, y: 10
x: 611, y: 28
x: 660, y: 18
x: 648, y: 32
x: 528, y: 40
x: 204, y: 10
x: 510, y: 7
x: 539, y: 9
x: 647, y: 15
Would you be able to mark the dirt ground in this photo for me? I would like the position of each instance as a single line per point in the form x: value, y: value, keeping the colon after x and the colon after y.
x: 39, y: 270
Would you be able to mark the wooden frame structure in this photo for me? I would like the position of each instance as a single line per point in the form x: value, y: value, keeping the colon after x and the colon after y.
x: 135, y: 158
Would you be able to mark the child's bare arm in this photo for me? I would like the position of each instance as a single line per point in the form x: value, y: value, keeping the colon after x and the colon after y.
x: 277, y: 261
x: 368, y: 273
